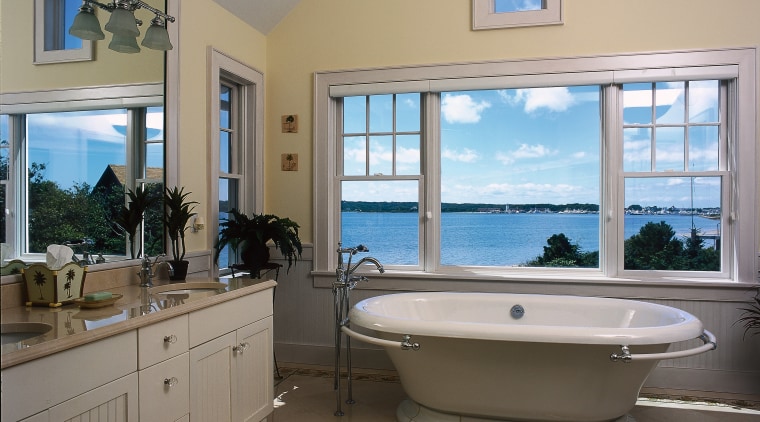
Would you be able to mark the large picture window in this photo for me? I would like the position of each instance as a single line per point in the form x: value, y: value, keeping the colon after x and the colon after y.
x: 604, y: 172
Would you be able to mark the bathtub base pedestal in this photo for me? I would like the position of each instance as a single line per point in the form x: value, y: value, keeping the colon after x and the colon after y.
x: 410, y: 411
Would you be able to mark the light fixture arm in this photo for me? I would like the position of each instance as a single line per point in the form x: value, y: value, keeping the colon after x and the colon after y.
x: 133, y: 5
x: 140, y: 4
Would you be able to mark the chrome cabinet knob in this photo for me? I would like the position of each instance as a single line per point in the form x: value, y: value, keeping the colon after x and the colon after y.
x: 171, y: 382
x: 240, y: 348
x: 170, y: 339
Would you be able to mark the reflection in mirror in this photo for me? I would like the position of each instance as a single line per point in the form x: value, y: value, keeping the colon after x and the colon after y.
x: 73, y: 138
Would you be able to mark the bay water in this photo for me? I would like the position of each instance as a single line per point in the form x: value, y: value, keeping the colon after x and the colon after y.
x: 492, y: 238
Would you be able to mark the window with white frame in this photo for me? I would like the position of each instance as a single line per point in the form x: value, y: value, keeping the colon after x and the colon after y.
x: 52, y: 42
x: 576, y: 170
x: 236, y: 144
x: 74, y: 147
x: 230, y: 164
x: 381, y: 146
x: 69, y: 173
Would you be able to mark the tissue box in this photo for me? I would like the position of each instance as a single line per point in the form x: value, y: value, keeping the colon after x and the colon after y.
x: 47, y: 287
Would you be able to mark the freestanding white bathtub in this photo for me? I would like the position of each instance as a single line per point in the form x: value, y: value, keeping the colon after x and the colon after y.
x: 522, y: 357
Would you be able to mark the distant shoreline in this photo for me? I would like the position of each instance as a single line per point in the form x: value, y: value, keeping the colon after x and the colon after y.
x: 573, y: 208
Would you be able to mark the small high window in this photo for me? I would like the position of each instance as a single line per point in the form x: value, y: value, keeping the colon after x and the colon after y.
x: 493, y: 14
x: 52, y: 42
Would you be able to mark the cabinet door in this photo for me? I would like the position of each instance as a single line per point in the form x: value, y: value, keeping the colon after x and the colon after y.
x: 112, y: 402
x: 253, y: 391
x: 165, y: 390
x: 211, y: 380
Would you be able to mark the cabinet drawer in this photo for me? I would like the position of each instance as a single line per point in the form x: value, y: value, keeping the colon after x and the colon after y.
x: 161, y: 341
x: 211, y: 322
x: 165, y: 390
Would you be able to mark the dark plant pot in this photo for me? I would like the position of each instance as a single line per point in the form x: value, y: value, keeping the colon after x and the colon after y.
x: 255, y: 256
x: 180, y: 270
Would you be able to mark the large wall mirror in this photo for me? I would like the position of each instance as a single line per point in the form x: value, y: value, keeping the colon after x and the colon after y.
x: 77, y: 129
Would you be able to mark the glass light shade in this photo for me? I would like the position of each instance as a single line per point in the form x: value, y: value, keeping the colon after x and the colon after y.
x: 123, y: 23
x: 86, y: 26
x: 124, y: 44
x: 157, y: 38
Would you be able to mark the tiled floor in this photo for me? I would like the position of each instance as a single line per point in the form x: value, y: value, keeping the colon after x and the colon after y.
x: 306, y: 394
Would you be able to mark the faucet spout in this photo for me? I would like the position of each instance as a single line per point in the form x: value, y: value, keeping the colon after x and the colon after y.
x: 147, y: 270
x: 365, y: 260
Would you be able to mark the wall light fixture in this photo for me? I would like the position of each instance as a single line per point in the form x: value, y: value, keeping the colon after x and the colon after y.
x: 123, y: 25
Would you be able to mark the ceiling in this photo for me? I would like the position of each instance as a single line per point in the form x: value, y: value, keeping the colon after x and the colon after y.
x: 263, y: 15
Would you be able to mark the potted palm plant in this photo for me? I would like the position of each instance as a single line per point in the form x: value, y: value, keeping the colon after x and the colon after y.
x: 250, y: 235
x: 130, y: 216
x: 178, y: 213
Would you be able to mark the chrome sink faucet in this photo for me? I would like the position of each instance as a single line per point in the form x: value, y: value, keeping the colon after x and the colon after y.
x: 345, y: 271
x: 147, y: 269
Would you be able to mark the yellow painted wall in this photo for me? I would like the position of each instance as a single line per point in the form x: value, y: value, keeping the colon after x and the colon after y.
x: 205, y: 24
x: 345, y: 34
x: 18, y: 73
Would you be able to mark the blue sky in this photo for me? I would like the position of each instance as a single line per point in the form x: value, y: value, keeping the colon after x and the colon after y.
x: 76, y: 147
x: 540, y: 145
x: 502, y: 6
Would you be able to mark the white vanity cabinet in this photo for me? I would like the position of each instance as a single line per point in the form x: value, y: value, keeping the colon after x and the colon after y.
x: 231, y: 374
x: 164, y: 374
x: 98, y: 378
x: 212, y: 362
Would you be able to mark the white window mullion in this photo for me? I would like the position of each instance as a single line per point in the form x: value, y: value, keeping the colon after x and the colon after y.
x: 611, y: 183
x: 431, y: 169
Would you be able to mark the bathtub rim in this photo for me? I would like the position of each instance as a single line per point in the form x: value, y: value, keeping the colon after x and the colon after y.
x: 689, y: 327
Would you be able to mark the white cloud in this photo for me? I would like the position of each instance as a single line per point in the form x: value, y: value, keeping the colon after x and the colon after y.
x: 462, y: 108
x: 466, y: 156
x: 407, y: 155
x: 525, y: 151
x: 533, y: 99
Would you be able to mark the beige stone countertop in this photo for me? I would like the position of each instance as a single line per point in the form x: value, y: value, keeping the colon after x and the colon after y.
x: 74, y: 326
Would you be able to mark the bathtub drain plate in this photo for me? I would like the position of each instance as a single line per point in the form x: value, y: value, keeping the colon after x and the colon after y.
x: 517, y: 311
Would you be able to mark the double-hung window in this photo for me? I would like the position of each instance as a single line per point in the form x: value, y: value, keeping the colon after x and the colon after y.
x: 638, y: 166
x: 235, y: 148
x: 381, y: 158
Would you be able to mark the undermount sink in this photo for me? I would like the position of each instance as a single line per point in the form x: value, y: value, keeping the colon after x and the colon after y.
x: 14, y: 332
x: 187, y: 288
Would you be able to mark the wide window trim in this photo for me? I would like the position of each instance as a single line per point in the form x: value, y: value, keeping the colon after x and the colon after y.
x: 743, y: 262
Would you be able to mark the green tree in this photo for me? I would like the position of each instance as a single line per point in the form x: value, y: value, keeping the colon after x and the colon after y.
x: 561, y: 253
x: 698, y: 257
x: 654, y: 248
x: 60, y: 215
